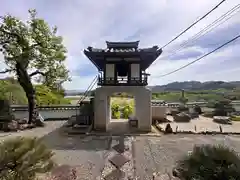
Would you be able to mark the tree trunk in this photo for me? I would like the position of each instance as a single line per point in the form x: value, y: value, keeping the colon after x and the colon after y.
x: 32, y: 106
x: 25, y: 81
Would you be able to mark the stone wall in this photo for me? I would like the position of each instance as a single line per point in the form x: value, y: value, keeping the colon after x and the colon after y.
x: 47, y: 112
x: 66, y: 111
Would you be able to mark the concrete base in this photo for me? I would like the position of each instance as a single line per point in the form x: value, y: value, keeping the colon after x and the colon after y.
x: 143, y: 110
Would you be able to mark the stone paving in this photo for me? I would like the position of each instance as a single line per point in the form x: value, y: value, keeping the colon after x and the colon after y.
x: 143, y: 155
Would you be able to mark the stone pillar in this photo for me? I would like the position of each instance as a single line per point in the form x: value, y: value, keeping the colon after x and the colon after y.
x: 143, y: 105
x: 143, y: 108
x: 100, y: 110
x: 108, y: 115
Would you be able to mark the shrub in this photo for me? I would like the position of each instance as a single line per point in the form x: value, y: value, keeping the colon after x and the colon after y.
x: 6, y: 114
x: 208, y: 114
x: 183, y: 108
x: 211, y: 104
x: 21, y: 158
x: 209, y: 162
x: 198, y: 109
x: 174, y: 112
x: 115, y: 111
x: 127, y: 111
x: 182, y: 117
x: 116, y: 115
x: 222, y: 108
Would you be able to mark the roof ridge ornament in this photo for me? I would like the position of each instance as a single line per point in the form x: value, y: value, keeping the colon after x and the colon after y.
x: 122, y: 45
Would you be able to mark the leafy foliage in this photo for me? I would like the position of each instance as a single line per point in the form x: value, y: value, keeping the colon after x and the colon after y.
x: 127, y: 111
x: 21, y: 158
x: 208, y: 114
x: 6, y: 114
x: 115, y: 108
x: 183, y: 108
x: 210, y: 162
x: 122, y: 107
x: 11, y: 90
x: 222, y: 108
x: 46, y: 96
x: 35, y: 45
x: 198, y: 109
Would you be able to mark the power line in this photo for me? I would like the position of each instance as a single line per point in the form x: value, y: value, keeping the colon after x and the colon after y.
x: 198, y: 59
x: 225, y: 17
x: 94, y: 81
x: 193, y: 24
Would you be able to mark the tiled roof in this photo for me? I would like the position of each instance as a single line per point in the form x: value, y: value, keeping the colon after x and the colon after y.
x: 133, y: 44
x: 128, y: 49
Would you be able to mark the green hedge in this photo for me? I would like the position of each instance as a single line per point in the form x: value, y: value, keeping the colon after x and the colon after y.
x: 235, y: 118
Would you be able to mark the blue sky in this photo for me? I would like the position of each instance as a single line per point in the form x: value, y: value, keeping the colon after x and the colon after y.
x: 153, y: 22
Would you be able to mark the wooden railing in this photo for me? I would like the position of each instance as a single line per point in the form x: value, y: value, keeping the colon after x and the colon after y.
x: 123, y: 81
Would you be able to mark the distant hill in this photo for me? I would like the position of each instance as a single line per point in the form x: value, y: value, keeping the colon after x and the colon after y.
x: 75, y: 92
x: 176, y: 86
x: 196, y: 85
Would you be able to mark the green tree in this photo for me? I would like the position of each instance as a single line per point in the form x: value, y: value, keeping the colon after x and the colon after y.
x: 30, y: 49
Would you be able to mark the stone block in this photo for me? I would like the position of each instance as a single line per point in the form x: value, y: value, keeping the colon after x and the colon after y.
x: 222, y: 119
x: 119, y: 160
x: 22, y: 121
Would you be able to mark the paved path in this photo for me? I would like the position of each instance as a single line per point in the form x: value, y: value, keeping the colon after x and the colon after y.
x: 147, y: 154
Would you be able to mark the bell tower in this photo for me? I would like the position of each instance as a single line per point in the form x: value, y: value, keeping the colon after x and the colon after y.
x: 122, y: 67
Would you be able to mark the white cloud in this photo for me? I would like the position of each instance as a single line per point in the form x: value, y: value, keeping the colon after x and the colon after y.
x: 222, y: 65
x: 153, y: 22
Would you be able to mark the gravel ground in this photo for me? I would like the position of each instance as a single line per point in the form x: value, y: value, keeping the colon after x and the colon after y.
x: 160, y: 154
x: 202, y: 124
x: 147, y: 154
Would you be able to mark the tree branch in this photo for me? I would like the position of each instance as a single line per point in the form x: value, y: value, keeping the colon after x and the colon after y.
x: 5, y: 71
x: 10, y: 33
x: 35, y: 45
x: 36, y: 72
